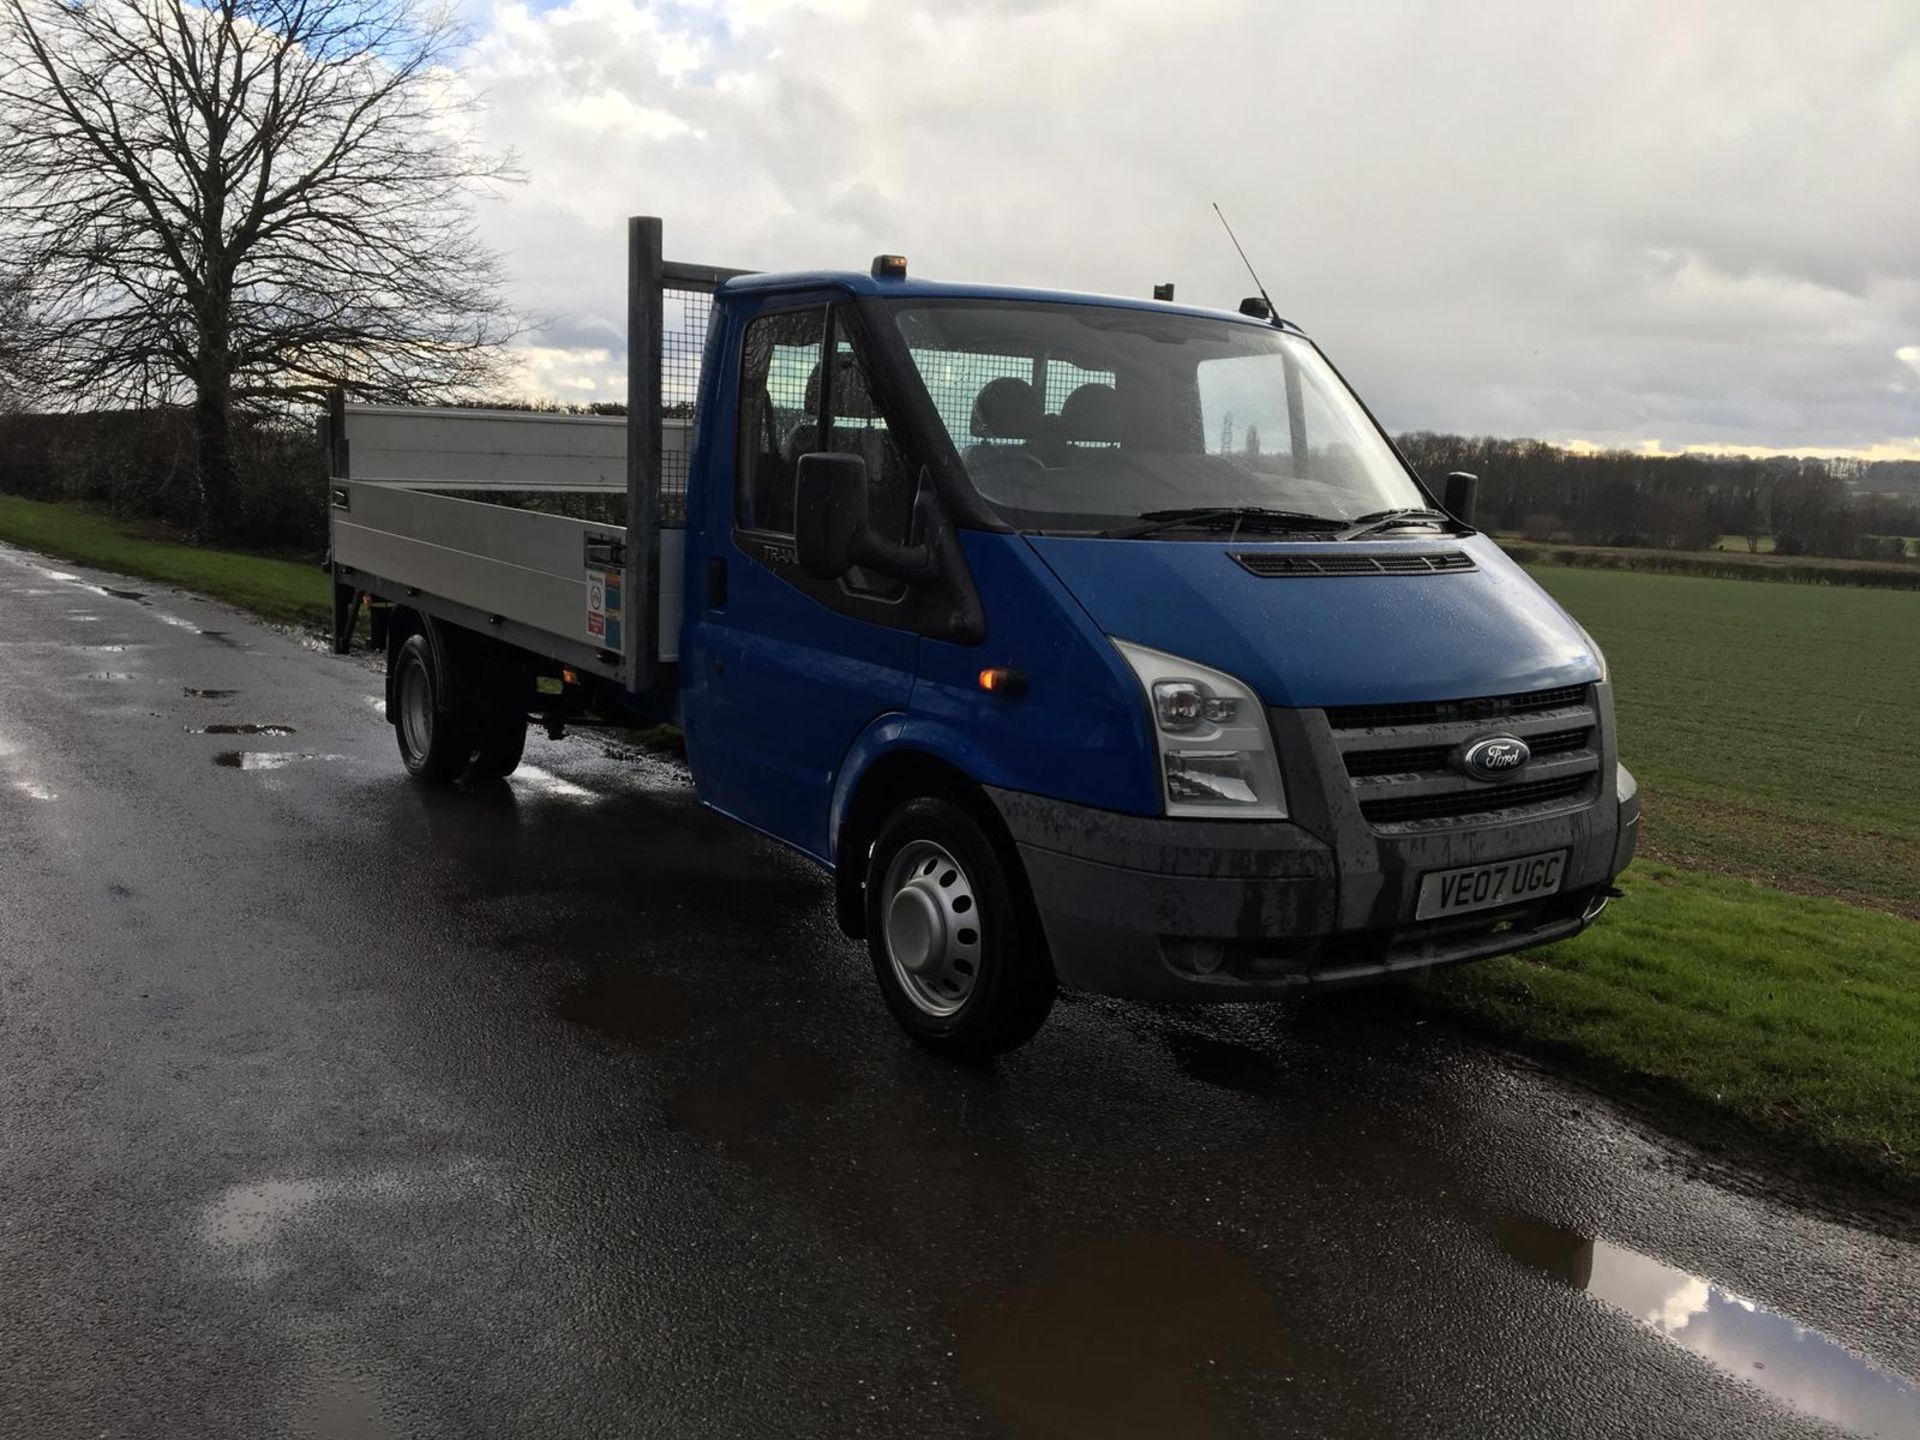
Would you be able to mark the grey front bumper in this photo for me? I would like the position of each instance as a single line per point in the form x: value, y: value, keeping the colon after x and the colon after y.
x: 1154, y: 908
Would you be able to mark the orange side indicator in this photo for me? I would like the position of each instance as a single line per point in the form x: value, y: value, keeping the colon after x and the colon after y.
x: 1003, y: 680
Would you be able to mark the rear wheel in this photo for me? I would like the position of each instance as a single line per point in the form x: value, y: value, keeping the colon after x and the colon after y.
x: 955, y: 946
x: 501, y: 739
x: 434, y: 743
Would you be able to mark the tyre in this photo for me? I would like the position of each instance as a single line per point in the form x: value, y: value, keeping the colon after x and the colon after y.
x: 955, y: 943
x: 500, y: 739
x: 434, y: 743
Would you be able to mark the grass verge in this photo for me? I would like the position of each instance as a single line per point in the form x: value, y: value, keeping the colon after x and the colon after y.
x: 282, y: 590
x: 1797, y: 1017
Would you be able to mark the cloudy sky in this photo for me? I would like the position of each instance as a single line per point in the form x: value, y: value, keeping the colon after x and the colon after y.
x: 1632, y: 222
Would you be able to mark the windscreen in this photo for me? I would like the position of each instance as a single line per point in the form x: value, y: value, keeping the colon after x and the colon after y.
x: 1082, y: 418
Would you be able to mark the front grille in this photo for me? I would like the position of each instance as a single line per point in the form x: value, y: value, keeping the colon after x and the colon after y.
x: 1440, y: 712
x: 1274, y: 565
x: 1483, y: 800
x: 1420, y: 759
x: 1400, y: 759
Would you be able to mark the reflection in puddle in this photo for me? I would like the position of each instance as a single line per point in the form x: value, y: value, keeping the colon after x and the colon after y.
x: 265, y: 759
x: 178, y: 623
x: 544, y: 782
x: 1141, y: 1334
x: 1784, y: 1358
x: 240, y: 730
x: 194, y: 692
x: 33, y: 791
x: 110, y: 675
x: 123, y: 594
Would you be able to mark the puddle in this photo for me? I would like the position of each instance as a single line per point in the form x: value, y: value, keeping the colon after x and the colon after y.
x: 1141, y: 1334
x: 759, y: 1102
x: 630, y: 1005
x: 1761, y: 1346
x: 123, y: 594
x: 219, y: 637
x: 179, y: 624
x: 193, y: 692
x: 106, y: 649
x: 240, y: 729
x: 1222, y: 1063
x: 110, y: 675
x: 33, y: 791
x: 265, y: 759
x: 60, y: 575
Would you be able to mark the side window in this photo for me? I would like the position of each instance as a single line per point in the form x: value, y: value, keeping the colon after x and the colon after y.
x: 779, y: 393
x: 856, y: 427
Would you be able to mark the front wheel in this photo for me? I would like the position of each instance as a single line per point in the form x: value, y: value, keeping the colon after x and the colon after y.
x: 955, y: 946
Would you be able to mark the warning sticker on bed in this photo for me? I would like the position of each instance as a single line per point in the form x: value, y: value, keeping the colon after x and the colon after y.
x: 605, y: 612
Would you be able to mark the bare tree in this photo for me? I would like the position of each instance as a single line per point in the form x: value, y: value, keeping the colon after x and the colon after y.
x: 16, y: 350
x: 244, y: 203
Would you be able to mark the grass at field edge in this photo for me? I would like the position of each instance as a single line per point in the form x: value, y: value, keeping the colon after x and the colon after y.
x: 284, y: 591
x: 1794, y: 1017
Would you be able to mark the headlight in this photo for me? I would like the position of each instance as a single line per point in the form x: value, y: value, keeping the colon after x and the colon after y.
x: 1594, y: 646
x: 1216, y: 756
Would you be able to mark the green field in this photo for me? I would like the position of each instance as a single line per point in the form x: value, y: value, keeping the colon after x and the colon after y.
x: 282, y: 590
x: 1775, y: 729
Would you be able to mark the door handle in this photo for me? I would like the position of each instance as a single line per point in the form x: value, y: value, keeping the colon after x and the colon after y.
x: 716, y: 583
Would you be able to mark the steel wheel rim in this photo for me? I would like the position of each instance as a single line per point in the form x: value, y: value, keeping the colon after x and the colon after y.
x: 930, y: 923
x: 416, y: 709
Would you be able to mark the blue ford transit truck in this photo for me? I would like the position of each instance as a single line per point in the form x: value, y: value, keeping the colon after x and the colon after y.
x: 1083, y: 641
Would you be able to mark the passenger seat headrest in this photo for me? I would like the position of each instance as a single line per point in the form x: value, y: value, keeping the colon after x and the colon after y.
x: 1093, y: 412
x: 1006, y: 409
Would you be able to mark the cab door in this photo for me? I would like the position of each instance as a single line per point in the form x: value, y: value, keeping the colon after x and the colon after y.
x: 793, y: 668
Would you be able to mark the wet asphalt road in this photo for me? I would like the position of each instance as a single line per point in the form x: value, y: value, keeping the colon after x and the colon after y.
x: 331, y: 1105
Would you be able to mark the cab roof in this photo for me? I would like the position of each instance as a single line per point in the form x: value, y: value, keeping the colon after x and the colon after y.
x: 858, y: 283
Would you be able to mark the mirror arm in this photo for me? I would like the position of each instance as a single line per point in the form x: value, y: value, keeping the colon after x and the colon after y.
x: 907, y: 563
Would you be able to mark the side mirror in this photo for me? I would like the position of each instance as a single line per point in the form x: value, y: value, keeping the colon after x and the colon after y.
x: 1461, y: 492
x: 829, y: 511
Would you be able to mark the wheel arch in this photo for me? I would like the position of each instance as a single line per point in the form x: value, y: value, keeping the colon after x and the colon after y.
x: 893, y: 763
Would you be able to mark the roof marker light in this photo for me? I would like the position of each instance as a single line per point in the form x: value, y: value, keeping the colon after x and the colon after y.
x: 889, y: 267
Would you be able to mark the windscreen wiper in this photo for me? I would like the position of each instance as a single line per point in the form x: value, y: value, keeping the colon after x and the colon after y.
x: 1364, y: 525
x: 1238, y: 517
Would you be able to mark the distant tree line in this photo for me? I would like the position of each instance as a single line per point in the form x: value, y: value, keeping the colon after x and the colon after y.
x: 1835, y: 507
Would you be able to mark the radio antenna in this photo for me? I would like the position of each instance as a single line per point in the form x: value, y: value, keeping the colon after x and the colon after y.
x: 1272, y: 314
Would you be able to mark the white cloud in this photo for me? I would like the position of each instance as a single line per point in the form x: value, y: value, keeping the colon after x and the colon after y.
x: 1631, y: 222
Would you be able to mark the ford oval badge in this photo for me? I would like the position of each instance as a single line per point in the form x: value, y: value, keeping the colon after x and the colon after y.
x: 1495, y: 757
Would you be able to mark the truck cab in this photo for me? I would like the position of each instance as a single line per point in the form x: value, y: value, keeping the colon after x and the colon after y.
x: 1085, y: 641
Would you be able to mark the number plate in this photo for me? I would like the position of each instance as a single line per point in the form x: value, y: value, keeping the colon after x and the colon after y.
x: 1481, y: 887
